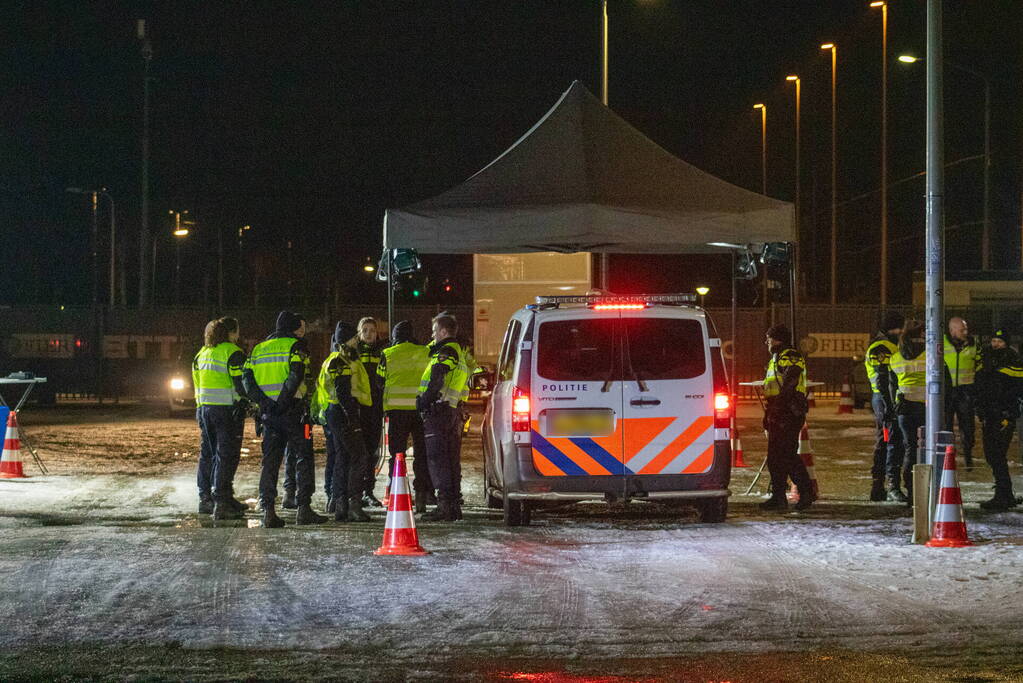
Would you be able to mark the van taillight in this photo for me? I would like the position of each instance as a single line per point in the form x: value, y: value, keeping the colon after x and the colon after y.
x: 722, y: 410
x: 520, y: 411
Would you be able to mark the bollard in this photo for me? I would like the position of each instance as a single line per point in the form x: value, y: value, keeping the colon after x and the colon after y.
x: 921, y: 503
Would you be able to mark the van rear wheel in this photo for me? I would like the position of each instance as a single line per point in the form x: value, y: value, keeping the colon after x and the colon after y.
x: 516, y: 512
x: 713, y: 510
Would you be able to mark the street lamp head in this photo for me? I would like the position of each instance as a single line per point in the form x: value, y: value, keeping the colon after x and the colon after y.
x: 702, y: 291
x: 181, y: 232
x: 828, y: 46
x: 909, y: 59
x: 759, y: 105
x: 792, y: 78
x: 878, y: 3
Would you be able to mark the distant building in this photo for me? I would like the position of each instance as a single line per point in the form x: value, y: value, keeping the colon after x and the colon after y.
x: 976, y: 288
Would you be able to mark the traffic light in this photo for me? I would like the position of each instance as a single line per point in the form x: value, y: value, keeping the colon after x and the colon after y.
x: 416, y: 293
x: 448, y: 287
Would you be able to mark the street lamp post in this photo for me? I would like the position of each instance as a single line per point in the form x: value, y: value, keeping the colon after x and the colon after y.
x: 985, y: 234
x: 95, y: 194
x: 763, y: 181
x: 181, y: 232
x: 798, y: 82
x: 834, y: 170
x: 884, y: 148
x: 605, y: 258
x: 241, y: 268
x: 145, y: 294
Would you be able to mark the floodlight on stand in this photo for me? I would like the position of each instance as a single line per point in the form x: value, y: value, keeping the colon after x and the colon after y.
x: 776, y: 254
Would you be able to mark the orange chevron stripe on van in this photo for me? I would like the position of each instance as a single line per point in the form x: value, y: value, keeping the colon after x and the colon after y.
x: 675, y: 448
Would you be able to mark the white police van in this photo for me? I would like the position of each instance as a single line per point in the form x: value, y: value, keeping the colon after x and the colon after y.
x: 608, y: 397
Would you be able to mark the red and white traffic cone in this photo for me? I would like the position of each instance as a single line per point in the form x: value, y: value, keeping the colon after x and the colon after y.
x: 737, y: 456
x: 10, y: 460
x: 806, y: 455
x: 400, y: 536
x: 845, y: 402
x: 811, y: 399
x: 949, y: 529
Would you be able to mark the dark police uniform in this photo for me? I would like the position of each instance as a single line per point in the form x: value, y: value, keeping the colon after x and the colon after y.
x: 441, y: 392
x: 372, y: 415
x: 888, y: 452
x: 1000, y: 390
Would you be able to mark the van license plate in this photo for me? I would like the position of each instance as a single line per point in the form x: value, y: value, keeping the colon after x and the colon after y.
x: 576, y: 422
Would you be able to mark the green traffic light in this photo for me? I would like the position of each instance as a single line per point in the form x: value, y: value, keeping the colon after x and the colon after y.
x: 415, y: 292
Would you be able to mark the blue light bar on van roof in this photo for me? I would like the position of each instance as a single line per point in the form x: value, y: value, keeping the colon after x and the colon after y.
x: 604, y: 299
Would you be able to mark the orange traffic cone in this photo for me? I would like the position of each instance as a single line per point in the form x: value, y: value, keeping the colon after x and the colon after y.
x: 806, y: 455
x: 737, y: 457
x: 845, y: 403
x: 10, y: 461
x: 400, y: 537
x: 949, y: 527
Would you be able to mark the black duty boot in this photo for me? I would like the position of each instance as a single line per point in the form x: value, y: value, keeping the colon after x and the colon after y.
x: 441, y: 513
x: 877, y: 492
x: 237, y: 504
x: 968, y: 460
x: 205, y: 505
x: 420, y: 502
x: 1002, y: 501
x: 777, y: 501
x: 331, y: 506
x: 369, y: 501
x: 270, y: 518
x: 431, y: 498
x: 289, y: 501
x: 456, y: 512
x: 355, y: 511
x: 222, y: 509
x: 340, y: 509
x: 895, y: 495
x: 307, y: 516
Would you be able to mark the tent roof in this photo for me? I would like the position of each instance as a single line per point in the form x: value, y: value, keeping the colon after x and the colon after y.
x: 583, y: 179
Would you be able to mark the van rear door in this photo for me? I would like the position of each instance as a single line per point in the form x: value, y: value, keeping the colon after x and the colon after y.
x: 668, y: 396
x: 577, y: 395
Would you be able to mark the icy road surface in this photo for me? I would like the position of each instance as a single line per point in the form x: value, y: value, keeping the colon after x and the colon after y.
x: 87, y: 557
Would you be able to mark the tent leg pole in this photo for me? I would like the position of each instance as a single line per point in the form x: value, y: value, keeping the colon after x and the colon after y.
x: 605, y: 272
x: 390, y: 291
x: 735, y: 331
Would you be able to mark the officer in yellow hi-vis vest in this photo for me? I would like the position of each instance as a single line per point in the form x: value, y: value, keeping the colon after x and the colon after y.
x: 909, y: 363
x: 341, y: 389
x: 440, y: 397
x: 784, y: 415
x: 277, y: 379
x: 1000, y: 392
x: 888, y: 446
x: 220, y: 410
x: 368, y: 345
x: 962, y: 360
x: 401, y: 368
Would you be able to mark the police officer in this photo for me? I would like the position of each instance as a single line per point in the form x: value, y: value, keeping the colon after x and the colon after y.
x: 342, y: 386
x: 372, y: 416
x: 909, y: 363
x: 888, y: 448
x: 276, y: 378
x: 1000, y: 390
x: 401, y: 369
x: 963, y: 359
x: 440, y: 395
x: 785, y: 413
x: 220, y: 411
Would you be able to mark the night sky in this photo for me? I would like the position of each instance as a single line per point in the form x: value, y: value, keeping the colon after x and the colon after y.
x: 306, y: 120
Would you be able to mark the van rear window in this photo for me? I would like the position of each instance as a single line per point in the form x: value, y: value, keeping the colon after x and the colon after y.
x: 666, y: 348
x: 576, y: 350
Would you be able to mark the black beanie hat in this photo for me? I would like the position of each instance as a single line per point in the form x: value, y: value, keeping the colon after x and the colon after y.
x: 780, y: 333
x: 892, y: 320
x: 343, y: 332
x: 402, y: 332
x: 288, y: 322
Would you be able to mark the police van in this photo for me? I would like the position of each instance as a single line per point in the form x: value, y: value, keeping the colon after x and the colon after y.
x: 611, y: 398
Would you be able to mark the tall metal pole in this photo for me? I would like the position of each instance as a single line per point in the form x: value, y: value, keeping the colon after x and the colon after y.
x: 605, y: 258
x: 798, y: 212
x: 934, y: 258
x: 144, y: 292
x: 985, y: 235
x: 763, y: 187
x: 95, y: 251
x: 884, y: 154
x: 834, y: 174
x: 733, y: 385
x: 113, y: 240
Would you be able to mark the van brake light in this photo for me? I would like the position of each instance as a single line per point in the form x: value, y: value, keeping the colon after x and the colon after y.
x: 619, y: 307
x: 722, y: 410
x: 520, y: 411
